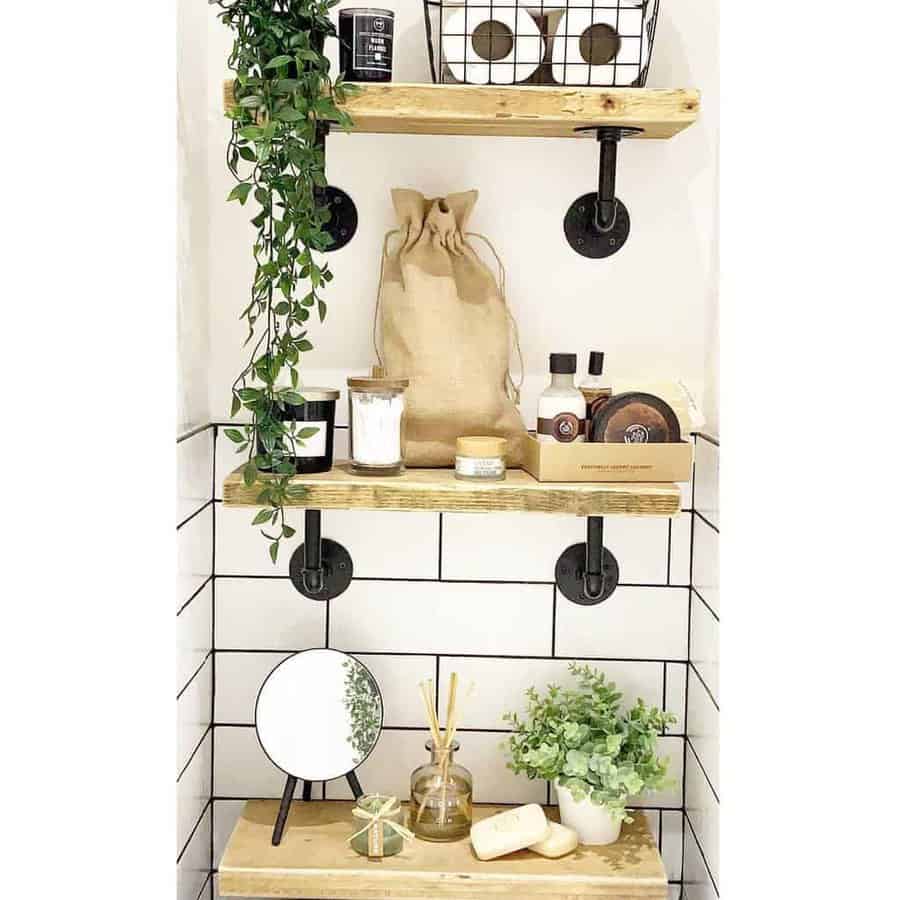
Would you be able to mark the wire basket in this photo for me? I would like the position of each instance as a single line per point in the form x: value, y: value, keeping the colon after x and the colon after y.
x: 603, y: 43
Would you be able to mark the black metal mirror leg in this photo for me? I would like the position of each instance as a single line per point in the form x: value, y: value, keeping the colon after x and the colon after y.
x: 588, y: 573
x: 355, y: 786
x: 320, y: 569
x: 286, y: 797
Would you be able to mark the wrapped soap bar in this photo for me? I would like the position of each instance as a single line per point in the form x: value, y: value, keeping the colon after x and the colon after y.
x: 514, y: 829
x: 559, y: 841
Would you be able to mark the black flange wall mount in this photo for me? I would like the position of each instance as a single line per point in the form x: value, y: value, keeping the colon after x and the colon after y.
x: 320, y: 568
x: 597, y: 224
x: 588, y: 573
x: 344, y: 218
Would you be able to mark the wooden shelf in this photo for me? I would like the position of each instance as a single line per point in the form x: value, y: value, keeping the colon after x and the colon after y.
x: 440, y: 491
x: 314, y: 860
x: 515, y: 110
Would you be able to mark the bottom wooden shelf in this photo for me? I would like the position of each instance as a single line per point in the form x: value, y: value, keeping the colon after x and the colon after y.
x: 314, y: 860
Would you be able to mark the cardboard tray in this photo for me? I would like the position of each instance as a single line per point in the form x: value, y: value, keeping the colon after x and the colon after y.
x: 582, y: 461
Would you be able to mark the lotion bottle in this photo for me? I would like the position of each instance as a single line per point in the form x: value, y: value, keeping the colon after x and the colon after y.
x: 561, y: 406
x: 595, y: 388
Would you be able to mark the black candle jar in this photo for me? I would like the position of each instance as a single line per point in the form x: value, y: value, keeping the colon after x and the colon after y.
x: 367, y: 44
x: 317, y: 452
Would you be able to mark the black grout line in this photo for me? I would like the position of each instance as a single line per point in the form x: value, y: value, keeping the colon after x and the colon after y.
x: 484, y: 581
x: 665, y: 673
x: 715, y: 793
x: 187, y: 843
x: 553, y: 624
x: 423, y: 729
x: 712, y: 880
x: 212, y: 699
x: 208, y: 882
x: 194, y: 431
x: 706, y: 521
x: 691, y: 666
x: 686, y: 678
x: 196, y: 593
x: 451, y: 655
x: 187, y: 765
x: 708, y: 438
x: 669, y: 555
x: 440, y: 572
x: 197, y: 671
x: 712, y: 612
x: 660, y: 842
x: 195, y: 513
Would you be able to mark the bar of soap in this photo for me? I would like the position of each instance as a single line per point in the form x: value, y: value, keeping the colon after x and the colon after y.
x: 559, y: 841
x: 506, y: 832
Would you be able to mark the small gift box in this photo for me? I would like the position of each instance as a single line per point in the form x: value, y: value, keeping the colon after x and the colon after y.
x: 383, y: 832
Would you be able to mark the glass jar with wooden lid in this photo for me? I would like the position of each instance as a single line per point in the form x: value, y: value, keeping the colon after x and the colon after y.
x: 481, y: 458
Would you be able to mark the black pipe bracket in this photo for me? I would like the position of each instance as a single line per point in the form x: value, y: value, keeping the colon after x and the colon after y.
x: 588, y: 573
x: 320, y: 568
x: 344, y: 217
x: 597, y: 224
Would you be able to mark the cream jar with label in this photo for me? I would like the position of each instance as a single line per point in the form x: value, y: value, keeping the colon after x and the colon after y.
x: 561, y: 407
x: 480, y: 458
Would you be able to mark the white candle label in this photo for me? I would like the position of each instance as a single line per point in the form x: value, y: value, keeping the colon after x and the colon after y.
x: 312, y: 446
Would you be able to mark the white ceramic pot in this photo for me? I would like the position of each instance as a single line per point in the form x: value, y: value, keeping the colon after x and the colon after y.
x: 593, y: 823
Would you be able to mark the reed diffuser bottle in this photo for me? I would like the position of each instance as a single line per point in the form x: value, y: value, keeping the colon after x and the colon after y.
x: 441, y: 796
x: 440, y: 792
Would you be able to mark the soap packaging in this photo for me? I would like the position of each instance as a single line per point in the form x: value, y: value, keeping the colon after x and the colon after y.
x: 509, y: 831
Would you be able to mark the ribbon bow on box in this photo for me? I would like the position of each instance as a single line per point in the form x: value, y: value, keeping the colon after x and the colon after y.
x: 375, y: 822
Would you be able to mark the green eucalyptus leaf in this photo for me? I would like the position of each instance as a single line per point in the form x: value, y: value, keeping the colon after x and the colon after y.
x: 264, y: 515
x: 234, y: 435
x: 273, y: 551
x: 278, y: 61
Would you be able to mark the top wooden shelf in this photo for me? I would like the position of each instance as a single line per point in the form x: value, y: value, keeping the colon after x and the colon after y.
x: 314, y: 860
x: 439, y: 490
x: 515, y: 110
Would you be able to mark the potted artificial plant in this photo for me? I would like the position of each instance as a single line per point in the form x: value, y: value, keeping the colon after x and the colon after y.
x: 596, y: 755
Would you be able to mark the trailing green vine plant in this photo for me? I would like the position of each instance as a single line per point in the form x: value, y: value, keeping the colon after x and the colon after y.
x: 284, y: 94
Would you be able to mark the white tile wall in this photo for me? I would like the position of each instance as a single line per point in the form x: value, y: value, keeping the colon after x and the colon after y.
x: 706, y: 496
x: 680, y: 569
x: 676, y: 697
x: 382, y: 544
x: 705, y: 646
x: 193, y: 460
x: 702, y: 810
x: 194, y: 866
x: 697, y: 883
x: 450, y: 618
x: 634, y: 623
x: 193, y: 636
x: 193, y: 791
x: 522, y: 547
x: 703, y: 729
x: 225, y: 816
x: 500, y: 684
x: 194, y: 540
x: 193, y: 664
x: 671, y: 822
x: 266, y: 614
x: 706, y: 563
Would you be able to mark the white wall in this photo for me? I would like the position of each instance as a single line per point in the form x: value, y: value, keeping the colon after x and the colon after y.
x: 648, y: 306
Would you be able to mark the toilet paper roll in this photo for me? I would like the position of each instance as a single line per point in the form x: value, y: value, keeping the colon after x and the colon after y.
x: 460, y: 45
x: 572, y: 66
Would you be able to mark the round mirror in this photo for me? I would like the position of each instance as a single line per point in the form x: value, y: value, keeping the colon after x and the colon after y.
x: 319, y: 714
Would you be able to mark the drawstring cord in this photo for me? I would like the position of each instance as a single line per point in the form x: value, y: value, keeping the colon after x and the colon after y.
x: 515, y: 390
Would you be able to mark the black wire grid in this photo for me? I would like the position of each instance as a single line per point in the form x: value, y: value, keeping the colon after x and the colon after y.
x: 602, y: 43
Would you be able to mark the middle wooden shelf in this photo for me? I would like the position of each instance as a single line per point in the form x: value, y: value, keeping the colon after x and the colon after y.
x: 439, y: 490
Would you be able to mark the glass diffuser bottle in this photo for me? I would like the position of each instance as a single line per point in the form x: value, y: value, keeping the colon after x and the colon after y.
x: 441, y: 796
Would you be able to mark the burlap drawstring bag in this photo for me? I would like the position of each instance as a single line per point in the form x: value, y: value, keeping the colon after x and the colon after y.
x: 444, y: 324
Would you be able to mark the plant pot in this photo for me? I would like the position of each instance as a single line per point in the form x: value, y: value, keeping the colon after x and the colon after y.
x: 593, y: 823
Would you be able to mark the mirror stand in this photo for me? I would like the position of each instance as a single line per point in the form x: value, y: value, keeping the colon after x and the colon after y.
x: 287, y: 796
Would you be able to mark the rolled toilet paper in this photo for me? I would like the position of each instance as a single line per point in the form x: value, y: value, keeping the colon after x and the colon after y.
x: 461, y: 42
x: 572, y: 48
